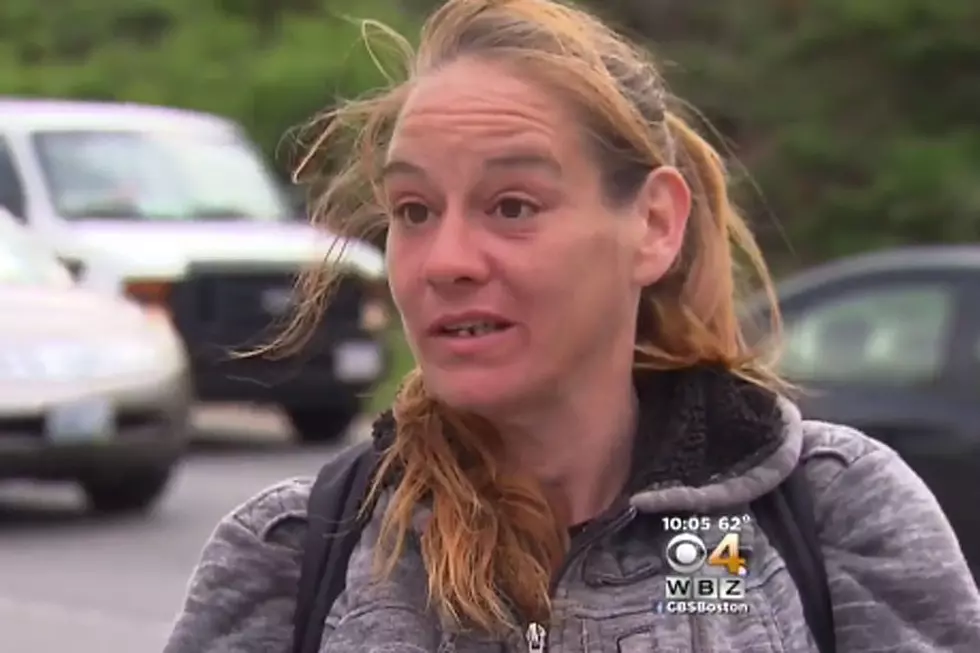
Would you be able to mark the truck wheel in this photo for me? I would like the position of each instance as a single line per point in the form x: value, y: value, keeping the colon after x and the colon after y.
x: 323, y: 425
x: 131, y: 491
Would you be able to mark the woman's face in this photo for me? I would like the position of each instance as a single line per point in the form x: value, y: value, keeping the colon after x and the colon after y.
x: 515, y: 278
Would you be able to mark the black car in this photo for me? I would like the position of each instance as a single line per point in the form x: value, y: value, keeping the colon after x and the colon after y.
x: 889, y: 343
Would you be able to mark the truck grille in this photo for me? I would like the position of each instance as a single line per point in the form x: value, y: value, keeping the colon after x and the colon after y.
x: 220, y: 309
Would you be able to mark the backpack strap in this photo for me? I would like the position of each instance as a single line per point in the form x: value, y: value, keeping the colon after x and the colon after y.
x: 333, y: 530
x: 787, y: 516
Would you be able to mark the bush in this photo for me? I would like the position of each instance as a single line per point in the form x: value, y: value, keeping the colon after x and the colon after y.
x: 270, y: 64
x: 858, y: 120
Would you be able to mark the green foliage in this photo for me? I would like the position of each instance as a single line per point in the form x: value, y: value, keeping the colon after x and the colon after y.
x: 402, y: 361
x: 271, y: 64
x: 859, y: 120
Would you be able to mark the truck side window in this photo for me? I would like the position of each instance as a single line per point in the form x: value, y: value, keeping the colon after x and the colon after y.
x: 11, y: 188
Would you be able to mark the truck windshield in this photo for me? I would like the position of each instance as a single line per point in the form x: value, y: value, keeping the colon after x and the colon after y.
x: 157, y: 176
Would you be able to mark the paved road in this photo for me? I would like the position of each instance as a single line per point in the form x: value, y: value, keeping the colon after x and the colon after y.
x: 69, y: 582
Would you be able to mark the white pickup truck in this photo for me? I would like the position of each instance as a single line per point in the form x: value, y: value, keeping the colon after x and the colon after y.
x: 184, y: 206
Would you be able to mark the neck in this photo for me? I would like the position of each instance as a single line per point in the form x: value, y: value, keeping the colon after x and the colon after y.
x: 578, y: 448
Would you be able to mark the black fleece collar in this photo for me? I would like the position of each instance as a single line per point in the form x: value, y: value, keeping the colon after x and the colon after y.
x: 696, y: 426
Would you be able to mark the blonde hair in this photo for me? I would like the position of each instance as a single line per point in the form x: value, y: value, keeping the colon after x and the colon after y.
x: 492, y: 542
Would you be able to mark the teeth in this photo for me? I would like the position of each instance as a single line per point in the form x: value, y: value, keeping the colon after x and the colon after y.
x: 472, y: 329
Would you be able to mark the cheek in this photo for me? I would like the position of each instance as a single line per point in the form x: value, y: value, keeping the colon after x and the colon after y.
x: 550, y: 284
x: 584, y: 276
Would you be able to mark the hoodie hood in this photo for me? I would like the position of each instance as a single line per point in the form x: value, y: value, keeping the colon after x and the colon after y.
x: 705, y: 440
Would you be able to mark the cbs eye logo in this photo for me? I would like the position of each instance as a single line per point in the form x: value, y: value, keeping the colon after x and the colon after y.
x: 686, y: 553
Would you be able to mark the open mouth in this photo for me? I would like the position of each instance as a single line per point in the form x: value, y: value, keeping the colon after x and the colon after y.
x: 473, y: 329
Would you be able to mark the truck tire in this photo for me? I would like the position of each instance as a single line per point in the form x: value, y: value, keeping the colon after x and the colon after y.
x: 131, y: 491
x: 323, y: 424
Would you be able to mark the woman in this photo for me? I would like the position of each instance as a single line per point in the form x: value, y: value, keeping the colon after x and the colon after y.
x: 560, y: 248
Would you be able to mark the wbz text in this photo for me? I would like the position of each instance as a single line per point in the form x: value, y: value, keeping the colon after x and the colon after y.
x: 703, y: 582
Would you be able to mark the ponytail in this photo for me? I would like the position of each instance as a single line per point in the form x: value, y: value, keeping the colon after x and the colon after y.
x: 491, y: 542
x: 689, y: 317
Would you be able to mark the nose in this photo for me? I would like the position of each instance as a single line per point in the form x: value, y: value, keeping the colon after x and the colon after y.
x: 454, y: 254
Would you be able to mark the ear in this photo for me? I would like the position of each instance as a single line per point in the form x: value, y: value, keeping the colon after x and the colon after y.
x: 663, y: 206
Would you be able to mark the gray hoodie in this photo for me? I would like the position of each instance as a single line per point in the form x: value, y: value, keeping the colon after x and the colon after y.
x: 897, y: 577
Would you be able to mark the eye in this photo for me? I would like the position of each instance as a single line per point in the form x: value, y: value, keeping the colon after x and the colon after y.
x: 514, y: 208
x: 412, y: 212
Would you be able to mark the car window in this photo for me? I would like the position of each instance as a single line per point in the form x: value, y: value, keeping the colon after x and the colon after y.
x: 883, y: 335
x: 152, y: 176
x: 11, y: 189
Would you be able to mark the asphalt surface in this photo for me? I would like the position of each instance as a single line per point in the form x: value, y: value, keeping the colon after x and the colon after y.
x: 71, y: 582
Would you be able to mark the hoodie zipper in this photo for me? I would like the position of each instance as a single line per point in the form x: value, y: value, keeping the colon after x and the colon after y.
x: 536, y: 634
x: 537, y: 638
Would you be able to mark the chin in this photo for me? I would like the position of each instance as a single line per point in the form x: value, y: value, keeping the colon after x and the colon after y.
x: 482, y: 392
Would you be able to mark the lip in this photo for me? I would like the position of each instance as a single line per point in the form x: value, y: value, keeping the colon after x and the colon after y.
x: 485, y: 348
x: 437, y: 327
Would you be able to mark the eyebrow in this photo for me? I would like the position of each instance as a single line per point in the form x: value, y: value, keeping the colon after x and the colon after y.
x: 396, y: 167
x: 525, y: 160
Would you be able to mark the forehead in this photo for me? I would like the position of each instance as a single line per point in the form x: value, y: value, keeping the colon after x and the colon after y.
x: 477, y: 105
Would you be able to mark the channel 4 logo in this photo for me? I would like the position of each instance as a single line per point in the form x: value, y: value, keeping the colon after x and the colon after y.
x: 687, y: 554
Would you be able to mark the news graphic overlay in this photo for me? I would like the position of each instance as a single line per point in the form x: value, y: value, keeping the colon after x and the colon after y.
x: 707, y: 567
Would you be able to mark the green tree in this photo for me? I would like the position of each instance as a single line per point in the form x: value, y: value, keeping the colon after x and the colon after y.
x: 860, y: 121
x: 270, y: 64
